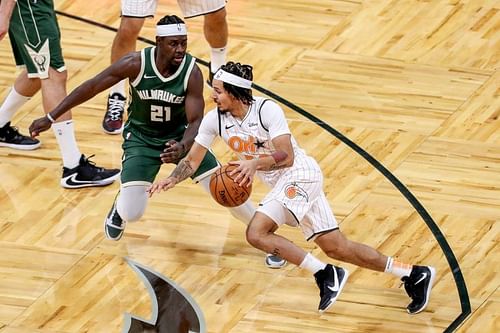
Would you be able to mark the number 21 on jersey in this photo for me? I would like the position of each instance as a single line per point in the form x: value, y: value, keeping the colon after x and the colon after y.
x: 160, y: 113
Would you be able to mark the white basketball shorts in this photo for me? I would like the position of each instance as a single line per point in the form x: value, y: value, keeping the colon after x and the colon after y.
x: 300, y: 201
x: 189, y: 8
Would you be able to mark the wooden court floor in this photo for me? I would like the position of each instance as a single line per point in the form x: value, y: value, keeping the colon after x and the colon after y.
x: 413, y: 84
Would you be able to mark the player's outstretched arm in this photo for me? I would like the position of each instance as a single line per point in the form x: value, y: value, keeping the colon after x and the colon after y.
x: 185, y: 169
x: 127, y: 67
x: 194, y: 106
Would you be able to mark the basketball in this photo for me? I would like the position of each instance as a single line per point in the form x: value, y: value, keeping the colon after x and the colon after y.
x: 225, y: 191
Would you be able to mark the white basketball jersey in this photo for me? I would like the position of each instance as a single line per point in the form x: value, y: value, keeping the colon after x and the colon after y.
x: 251, y: 137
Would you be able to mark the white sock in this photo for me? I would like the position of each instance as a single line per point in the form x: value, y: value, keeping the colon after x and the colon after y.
x: 119, y: 87
x: 65, y: 136
x: 217, y: 58
x: 10, y: 105
x: 397, y: 268
x: 312, y: 264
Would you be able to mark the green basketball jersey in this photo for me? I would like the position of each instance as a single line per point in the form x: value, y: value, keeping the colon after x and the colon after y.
x: 157, y: 107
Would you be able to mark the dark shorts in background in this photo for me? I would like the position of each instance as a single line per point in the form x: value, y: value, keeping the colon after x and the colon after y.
x: 35, y: 38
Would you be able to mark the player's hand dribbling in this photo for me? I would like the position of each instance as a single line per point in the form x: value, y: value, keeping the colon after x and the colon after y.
x: 39, y: 125
x: 162, y: 185
x: 244, y: 172
x: 173, y: 152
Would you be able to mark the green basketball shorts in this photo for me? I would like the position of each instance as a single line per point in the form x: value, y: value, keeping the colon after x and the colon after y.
x: 141, y: 158
x: 35, y: 38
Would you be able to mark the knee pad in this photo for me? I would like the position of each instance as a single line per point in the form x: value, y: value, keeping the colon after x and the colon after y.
x: 132, y: 201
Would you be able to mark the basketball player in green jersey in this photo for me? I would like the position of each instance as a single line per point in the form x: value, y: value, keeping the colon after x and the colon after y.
x: 164, y: 115
x: 35, y: 39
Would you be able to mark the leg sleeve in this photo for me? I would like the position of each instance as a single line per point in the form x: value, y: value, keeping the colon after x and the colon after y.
x: 132, y: 201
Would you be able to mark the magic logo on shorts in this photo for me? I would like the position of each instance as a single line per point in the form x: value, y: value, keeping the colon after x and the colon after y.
x: 293, y: 191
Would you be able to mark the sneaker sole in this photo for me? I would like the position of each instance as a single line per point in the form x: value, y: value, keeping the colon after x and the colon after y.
x: 341, y: 286
x: 271, y: 265
x: 20, y: 147
x: 97, y: 183
x: 108, y: 236
x: 429, y: 287
x: 118, y: 131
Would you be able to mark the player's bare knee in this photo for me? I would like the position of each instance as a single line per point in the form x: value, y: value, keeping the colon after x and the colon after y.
x: 58, y: 77
x: 126, y: 33
x: 334, y: 245
x: 216, y: 18
x: 255, y: 237
x: 337, y: 252
x: 252, y: 237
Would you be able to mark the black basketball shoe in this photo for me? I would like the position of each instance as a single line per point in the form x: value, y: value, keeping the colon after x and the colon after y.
x: 330, y: 281
x: 113, y: 118
x: 87, y: 174
x: 418, y: 286
x: 10, y: 137
x: 114, y: 226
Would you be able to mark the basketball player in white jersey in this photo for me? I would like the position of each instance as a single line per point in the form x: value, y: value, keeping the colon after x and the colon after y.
x: 133, y: 15
x: 257, y: 131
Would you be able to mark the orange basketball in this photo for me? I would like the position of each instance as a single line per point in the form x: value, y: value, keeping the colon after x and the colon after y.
x: 225, y: 191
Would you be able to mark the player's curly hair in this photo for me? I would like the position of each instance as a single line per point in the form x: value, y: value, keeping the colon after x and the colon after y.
x: 244, y: 71
x: 170, y: 19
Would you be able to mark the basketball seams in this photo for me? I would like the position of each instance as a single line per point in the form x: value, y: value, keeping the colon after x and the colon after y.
x: 228, y: 190
x: 232, y: 194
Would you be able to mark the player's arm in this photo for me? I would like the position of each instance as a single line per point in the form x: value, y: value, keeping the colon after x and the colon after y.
x: 6, y: 8
x: 185, y: 169
x: 282, y: 157
x: 194, y: 105
x: 273, y: 118
x: 127, y: 67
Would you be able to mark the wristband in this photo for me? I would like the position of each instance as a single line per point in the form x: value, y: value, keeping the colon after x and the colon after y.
x: 49, y: 117
x: 279, y: 156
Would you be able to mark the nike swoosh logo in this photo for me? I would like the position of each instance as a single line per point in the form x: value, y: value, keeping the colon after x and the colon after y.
x: 228, y: 127
x: 73, y: 181
x: 335, y: 287
x: 149, y: 76
x: 423, y: 277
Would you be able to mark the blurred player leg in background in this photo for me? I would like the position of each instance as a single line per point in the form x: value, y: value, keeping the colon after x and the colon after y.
x: 44, y: 69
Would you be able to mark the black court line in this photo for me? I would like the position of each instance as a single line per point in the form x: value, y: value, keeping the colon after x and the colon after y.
x: 448, y: 252
x: 443, y: 243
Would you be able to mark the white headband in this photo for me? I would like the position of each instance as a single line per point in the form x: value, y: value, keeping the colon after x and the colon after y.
x: 171, y: 30
x: 235, y: 80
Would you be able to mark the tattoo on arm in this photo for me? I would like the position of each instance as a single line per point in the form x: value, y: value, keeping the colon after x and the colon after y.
x: 182, y: 171
x: 276, y: 167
